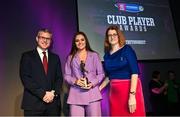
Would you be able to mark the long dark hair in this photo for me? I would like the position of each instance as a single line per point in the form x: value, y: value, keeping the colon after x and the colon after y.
x: 74, y: 49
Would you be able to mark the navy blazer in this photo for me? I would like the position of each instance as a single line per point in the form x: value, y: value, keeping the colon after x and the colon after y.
x: 36, y: 82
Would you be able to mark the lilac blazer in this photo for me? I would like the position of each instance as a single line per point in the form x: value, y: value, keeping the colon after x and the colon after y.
x: 95, y: 75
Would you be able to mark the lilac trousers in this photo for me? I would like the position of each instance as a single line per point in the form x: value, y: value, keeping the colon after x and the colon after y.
x: 93, y: 109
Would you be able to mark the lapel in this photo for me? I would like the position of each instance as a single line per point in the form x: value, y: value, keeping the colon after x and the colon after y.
x: 39, y: 62
x: 88, y: 59
x: 38, y: 59
x: 50, y: 60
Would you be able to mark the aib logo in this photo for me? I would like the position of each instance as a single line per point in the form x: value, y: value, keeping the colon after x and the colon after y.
x: 133, y: 8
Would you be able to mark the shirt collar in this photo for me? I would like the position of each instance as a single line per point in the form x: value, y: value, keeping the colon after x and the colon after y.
x: 40, y: 50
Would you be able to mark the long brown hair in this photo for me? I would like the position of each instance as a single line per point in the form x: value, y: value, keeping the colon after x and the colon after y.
x: 74, y: 49
x: 121, y: 38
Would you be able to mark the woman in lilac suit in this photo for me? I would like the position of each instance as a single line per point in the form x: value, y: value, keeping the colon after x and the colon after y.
x: 84, y: 73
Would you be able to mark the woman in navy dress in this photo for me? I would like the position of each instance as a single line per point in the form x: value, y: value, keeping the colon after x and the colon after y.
x: 121, y: 67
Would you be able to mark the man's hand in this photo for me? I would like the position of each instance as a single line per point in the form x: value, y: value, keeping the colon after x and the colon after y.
x: 49, y: 96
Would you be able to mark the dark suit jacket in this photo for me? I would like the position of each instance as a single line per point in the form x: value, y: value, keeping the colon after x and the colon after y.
x: 36, y: 82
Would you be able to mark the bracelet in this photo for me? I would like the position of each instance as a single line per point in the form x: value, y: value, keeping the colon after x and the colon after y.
x: 132, y: 92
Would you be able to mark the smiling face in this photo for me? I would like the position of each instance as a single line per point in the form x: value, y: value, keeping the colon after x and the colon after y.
x: 113, y: 37
x: 80, y: 42
x: 44, y: 40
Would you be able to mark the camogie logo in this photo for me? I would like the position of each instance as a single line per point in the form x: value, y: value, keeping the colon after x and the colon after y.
x: 133, y: 8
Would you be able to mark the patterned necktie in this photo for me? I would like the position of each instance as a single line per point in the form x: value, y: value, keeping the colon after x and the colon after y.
x: 45, y: 62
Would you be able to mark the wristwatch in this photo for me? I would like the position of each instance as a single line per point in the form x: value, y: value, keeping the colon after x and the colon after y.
x: 132, y: 92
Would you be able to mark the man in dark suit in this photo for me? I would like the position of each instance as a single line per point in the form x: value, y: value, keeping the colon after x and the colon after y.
x: 41, y: 75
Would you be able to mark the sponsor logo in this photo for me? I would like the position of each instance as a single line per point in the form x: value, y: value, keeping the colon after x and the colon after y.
x: 133, y: 8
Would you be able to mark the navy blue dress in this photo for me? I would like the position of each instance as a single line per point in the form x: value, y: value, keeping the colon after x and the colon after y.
x: 119, y: 67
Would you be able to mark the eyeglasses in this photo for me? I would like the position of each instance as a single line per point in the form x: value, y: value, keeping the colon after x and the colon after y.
x: 112, y: 35
x: 44, y: 38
